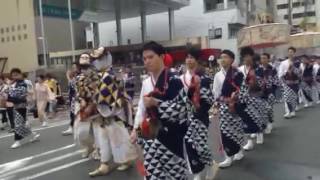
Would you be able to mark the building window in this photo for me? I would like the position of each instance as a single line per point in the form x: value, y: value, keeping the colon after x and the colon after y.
x: 218, y: 33
x: 232, y: 3
x: 301, y: 15
x: 13, y: 38
x: 25, y: 26
x: 19, y: 27
x: 12, y: 29
x: 19, y: 37
x: 8, y: 39
x: 25, y: 36
x: 282, y: 6
x: 2, y: 30
x: 3, y: 40
x: 211, y: 5
x: 7, y: 29
x: 233, y: 30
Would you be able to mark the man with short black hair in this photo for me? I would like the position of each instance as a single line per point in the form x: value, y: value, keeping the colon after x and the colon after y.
x: 161, y: 119
x: 17, y: 99
x: 226, y: 88
x: 289, y: 74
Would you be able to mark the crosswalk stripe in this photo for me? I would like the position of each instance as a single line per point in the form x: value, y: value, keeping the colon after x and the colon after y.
x: 40, y: 129
x: 20, y: 162
x: 58, y: 168
x: 45, y: 162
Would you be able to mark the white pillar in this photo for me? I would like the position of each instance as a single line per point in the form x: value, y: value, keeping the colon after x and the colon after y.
x: 71, y: 31
x: 171, y: 23
x: 117, y: 4
x: 225, y: 3
x: 317, y: 7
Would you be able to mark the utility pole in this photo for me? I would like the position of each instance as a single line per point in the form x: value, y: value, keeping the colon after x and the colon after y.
x: 44, y: 47
x: 290, y: 12
x: 71, y: 30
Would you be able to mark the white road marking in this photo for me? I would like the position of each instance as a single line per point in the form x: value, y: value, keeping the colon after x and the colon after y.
x: 58, y: 168
x: 43, y: 163
x: 21, y: 162
x: 40, y: 129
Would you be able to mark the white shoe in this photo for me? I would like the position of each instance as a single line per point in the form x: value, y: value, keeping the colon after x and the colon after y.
x: 306, y: 105
x: 238, y: 156
x: 16, y: 144
x: 297, y: 108
x: 260, y: 138
x: 35, y: 137
x: 268, y: 129
x: 124, y: 167
x: 197, y: 176
x: 44, y: 124
x: 253, y: 136
x: 287, y: 115
x: 293, y: 114
x: 226, y: 163
x: 318, y: 102
x: 249, y: 145
x: 67, y: 132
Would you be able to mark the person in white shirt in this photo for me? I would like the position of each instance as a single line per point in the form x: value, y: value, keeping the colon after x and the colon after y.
x: 161, y: 120
x: 226, y: 88
x: 289, y: 74
x: 197, y: 134
x: 316, y: 71
x: 254, y: 116
x: 308, y: 83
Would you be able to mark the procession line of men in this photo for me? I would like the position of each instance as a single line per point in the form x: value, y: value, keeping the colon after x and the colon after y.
x: 172, y: 120
x: 173, y: 115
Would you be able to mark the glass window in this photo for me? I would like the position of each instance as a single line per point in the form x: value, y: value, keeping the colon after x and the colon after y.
x: 19, y: 27
x: 3, y: 39
x: 13, y: 38
x: 211, y: 5
x: 12, y: 29
x: 19, y: 37
x: 218, y: 33
x: 233, y: 30
x: 282, y: 6
x: 8, y: 39
x: 24, y: 26
x: 25, y: 36
x: 2, y: 30
x: 7, y: 29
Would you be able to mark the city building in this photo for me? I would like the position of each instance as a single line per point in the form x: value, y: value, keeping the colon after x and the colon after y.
x: 26, y: 39
x: 305, y: 13
x: 216, y: 20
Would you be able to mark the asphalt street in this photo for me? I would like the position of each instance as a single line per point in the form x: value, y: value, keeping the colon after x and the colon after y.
x: 291, y: 152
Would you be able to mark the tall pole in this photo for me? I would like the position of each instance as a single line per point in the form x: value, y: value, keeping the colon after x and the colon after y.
x: 117, y: 4
x: 290, y: 12
x: 171, y: 23
x: 71, y: 31
x: 44, y: 51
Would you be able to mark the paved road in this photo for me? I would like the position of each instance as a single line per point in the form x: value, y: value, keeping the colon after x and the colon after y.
x: 291, y: 152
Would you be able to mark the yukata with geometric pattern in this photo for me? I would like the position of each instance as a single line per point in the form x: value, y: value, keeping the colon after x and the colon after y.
x: 270, y: 82
x: 308, y: 82
x: 196, y: 139
x: 252, y: 106
x: 289, y: 74
x: 17, y: 94
x: 231, y: 125
x: 164, y: 156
